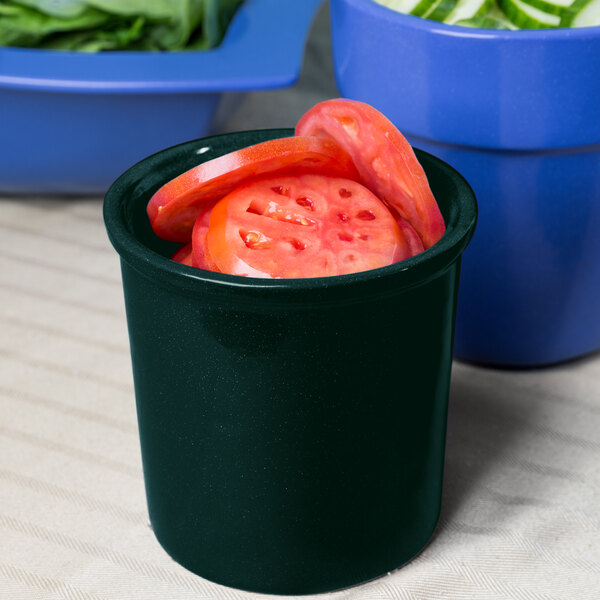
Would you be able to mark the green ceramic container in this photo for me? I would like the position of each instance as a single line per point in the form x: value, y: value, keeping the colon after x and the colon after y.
x: 292, y: 431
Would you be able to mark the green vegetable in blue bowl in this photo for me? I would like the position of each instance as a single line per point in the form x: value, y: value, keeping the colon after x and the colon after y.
x: 503, y: 14
x: 94, y: 25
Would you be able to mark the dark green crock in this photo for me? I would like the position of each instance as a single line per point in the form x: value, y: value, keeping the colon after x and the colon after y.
x: 292, y: 431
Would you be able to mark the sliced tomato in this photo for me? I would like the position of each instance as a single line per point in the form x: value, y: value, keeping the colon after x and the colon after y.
x: 385, y: 161
x: 303, y: 226
x: 412, y: 238
x: 183, y: 255
x: 174, y: 207
x: 199, y: 255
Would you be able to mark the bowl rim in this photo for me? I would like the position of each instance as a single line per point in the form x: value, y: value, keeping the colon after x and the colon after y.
x: 394, y: 17
x: 247, y: 58
x: 408, y: 273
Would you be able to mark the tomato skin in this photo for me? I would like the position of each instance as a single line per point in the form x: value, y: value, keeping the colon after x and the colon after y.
x: 303, y: 226
x: 412, y: 238
x: 173, y: 209
x: 385, y: 160
x: 199, y: 255
x: 183, y: 255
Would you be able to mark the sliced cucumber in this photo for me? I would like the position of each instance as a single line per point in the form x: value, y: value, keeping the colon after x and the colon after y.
x: 440, y: 10
x: 552, y: 7
x: 488, y: 14
x: 527, y: 17
x: 496, y: 14
x: 423, y: 7
x: 582, y: 13
x: 588, y: 16
x: 403, y: 6
x: 467, y: 9
x: 483, y: 22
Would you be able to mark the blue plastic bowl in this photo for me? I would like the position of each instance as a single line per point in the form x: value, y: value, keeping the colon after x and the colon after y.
x: 72, y: 122
x: 518, y: 114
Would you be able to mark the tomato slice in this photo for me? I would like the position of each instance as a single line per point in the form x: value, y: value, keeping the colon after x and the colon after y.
x: 412, y: 238
x: 303, y: 226
x: 174, y: 207
x: 200, y: 258
x: 183, y: 255
x: 385, y: 160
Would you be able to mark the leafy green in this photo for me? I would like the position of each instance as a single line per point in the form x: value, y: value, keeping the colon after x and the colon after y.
x: 152, y: 9
x: 28, y: 27
x: 57, y: 8
x: 94, y: 25
x: 94, y: 41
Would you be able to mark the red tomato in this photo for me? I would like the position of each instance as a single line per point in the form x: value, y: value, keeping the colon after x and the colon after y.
x: 303, y: 226
x: 412, y: 238
x: 200, y: 258
x: 174, y: 207
x: 183, y: 255
x: 385, y: 160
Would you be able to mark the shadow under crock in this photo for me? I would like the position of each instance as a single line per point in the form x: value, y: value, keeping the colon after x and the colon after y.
x: 483, y: 429
x: 292, y: 430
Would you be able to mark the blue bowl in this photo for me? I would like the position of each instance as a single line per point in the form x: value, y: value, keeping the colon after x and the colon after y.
x: 517, y: 113
x: 72, y: 122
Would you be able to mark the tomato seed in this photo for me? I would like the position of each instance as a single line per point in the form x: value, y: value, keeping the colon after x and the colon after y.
x: 349, y: 125
x: 364, y: 236
x: 345, y: 237
x: 255, y: 208
x: 365, y: 215
x: 274, y: 211
x: 297, y: 244
x: 282, y: 191
x: 344, y: 193
x: 305, y: 203
x: 255, y: 240
x: 343, y: 218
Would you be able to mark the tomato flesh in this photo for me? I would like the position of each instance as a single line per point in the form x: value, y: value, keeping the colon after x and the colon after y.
x: 200, y: 259
x: 184, y: 255
x: 303, y: 226
x: 385, y: 160
x: 173, y: 209
x: 412, y: 238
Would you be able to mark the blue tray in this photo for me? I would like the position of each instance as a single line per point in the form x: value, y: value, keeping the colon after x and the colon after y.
x: 72, y: 122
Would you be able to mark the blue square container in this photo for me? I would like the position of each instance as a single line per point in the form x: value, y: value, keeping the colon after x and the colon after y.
x: 71, y: 122
x: 518, y: 114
